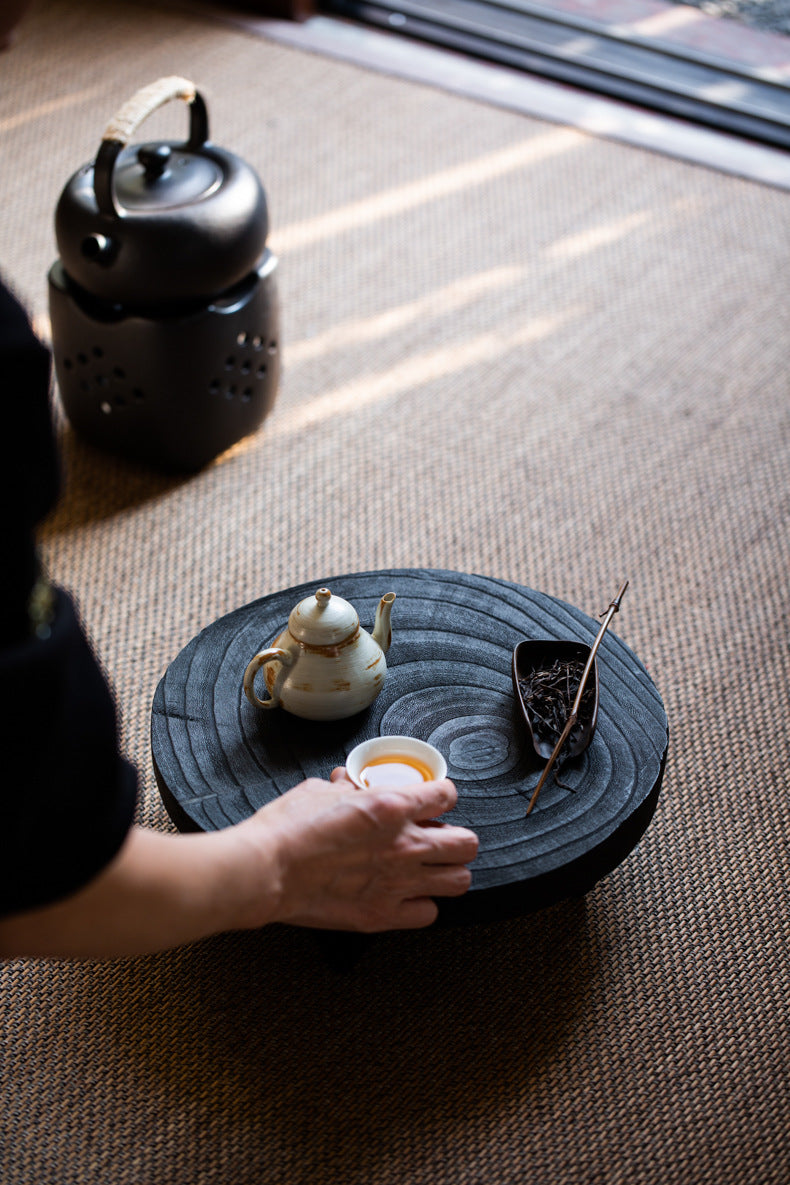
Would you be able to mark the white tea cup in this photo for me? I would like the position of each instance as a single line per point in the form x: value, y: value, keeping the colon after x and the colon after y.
x: 392, y: 761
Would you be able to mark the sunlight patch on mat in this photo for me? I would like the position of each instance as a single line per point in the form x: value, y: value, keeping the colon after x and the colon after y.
x: 449, y: 299
x: 30, y: 114
x: 572, y: 246
x: 603, y: 235
x: 415, y: 372
x: 436, y: 185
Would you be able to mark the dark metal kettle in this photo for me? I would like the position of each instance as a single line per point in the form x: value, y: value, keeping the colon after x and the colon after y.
x: 161, y: 222
x: 163, y: 301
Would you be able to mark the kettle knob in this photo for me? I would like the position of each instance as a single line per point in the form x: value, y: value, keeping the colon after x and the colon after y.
x: 154, y: 158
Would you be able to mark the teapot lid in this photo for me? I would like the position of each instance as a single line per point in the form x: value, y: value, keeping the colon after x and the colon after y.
x: 323, y: 619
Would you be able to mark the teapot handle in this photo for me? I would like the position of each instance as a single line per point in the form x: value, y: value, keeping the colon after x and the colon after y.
x: 124, y: 123
x: 286, y: 657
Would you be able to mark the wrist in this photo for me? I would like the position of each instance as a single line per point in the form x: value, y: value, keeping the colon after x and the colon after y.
x: 252, y: 866
x: 160, y: 891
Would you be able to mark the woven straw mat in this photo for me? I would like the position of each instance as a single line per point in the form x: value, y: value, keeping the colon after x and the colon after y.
x: 509, y: 348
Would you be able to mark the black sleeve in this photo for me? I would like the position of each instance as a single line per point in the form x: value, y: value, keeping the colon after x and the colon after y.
x: 70, y: 802
x: 28, y: 466
x: 66, y: 795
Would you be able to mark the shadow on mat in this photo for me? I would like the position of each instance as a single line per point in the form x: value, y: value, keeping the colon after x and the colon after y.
x: 258, y: 1036
x: 96, y: 485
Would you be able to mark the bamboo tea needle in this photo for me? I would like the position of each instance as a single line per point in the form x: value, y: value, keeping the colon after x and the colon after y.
x: 610, y: 612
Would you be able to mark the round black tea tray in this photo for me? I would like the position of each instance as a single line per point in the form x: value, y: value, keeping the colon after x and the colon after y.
x: 217, y: 759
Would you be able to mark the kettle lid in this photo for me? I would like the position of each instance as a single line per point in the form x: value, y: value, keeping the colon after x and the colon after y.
x: 155, y: 177
x: 323, y: 619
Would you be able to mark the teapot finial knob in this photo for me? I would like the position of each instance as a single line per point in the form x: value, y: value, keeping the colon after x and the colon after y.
x: 322, y: 596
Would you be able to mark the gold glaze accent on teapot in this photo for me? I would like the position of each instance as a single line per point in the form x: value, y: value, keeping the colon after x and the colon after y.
x: 324, y: 666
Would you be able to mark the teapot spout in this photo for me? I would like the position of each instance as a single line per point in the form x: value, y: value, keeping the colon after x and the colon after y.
x: 382, y: 634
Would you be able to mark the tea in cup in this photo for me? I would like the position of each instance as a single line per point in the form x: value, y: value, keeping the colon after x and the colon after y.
x: 393, y: 761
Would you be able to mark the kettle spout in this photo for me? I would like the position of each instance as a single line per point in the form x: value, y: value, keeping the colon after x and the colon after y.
x: 382, y: 634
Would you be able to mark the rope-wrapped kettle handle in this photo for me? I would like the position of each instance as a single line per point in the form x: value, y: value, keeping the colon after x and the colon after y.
x: 125, y: 122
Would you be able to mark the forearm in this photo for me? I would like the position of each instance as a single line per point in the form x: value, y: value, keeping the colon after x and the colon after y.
x: 324, y: 854
x: 160, y: 891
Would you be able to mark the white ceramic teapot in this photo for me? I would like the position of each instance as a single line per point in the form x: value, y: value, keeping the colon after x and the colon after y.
x: 324, y: 666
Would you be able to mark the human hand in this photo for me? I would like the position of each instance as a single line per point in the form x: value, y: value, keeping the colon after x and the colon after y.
x: 366, y: 860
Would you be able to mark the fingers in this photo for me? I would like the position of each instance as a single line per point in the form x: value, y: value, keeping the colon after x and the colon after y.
x: 367, y: 859
x: 417, y: 911
x: 441, y: 881
x: 419, y: 803
x: 409, y: 812
x: 413, y: 914
x: 434, y: 798
x: 447, y: 844
x: 416, y: 914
